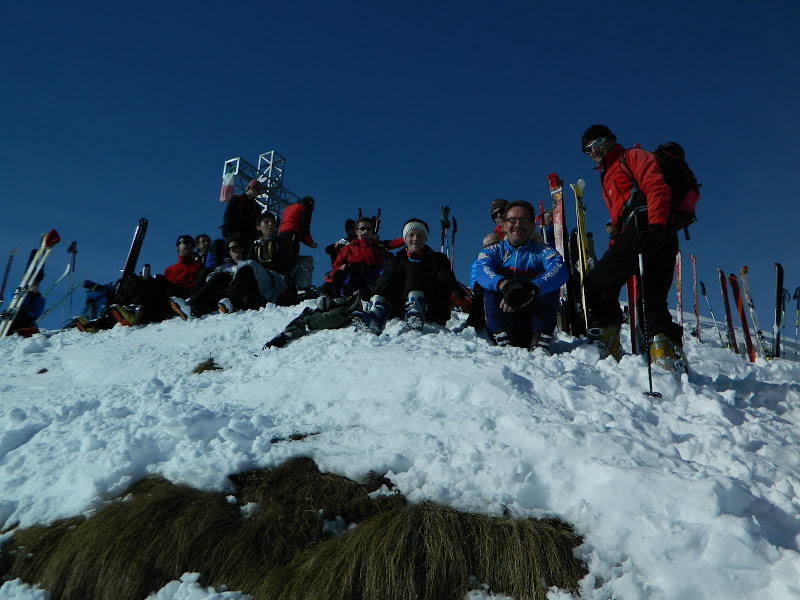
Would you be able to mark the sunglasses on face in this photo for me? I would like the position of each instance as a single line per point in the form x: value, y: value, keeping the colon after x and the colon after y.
x: 497, y: 214
x: 520, y: 220
x: 593, y: 144
x: 236, y: 248
x: 364, y: 229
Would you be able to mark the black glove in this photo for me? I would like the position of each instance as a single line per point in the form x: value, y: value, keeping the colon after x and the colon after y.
x: 519, y: 293
x: 649, y: 240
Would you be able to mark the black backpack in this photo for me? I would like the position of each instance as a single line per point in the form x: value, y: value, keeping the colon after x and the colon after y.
x: 685, y: 189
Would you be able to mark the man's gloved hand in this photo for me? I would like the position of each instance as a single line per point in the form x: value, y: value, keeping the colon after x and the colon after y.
x: 517, y: 294
x: 649, y: 240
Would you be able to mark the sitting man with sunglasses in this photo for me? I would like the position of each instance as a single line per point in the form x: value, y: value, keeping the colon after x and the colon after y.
x: 521, y: 279
x: 143, y: 301
x: 641, y: 232
x: 358, y: 264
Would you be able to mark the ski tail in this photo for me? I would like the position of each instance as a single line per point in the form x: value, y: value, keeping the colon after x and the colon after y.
x: 728, y: 319
x: 737, y: 298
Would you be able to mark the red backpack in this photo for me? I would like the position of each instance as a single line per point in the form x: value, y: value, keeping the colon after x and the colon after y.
x: 685, y: 189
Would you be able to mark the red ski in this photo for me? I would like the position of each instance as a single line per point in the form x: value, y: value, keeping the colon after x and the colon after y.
x: 737, y: 297
x: 728, y: 320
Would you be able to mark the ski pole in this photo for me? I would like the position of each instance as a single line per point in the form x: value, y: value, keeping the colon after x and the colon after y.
x: 72, y: 251
x: 796, y: 318
x: 703, y: 290
x: 445, y: 220
x: 644, y: 328
x: 8, y: 270
x: 453, y: 244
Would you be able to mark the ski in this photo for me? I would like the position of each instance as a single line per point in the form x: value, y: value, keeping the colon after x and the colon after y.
x: 776, y: 326
x: 11, y: 256
x: 133, y: 254
x: 679, y: 288
x: 696, y: 305
x: 583, y: 256
x: 568, y: 314
x: 737, y: 298
x: 728, y: 320
x: 703, y: 291
x: 796, y: 296
x: 761, y: 344
x: 49, y: 240
x: 638, y: 343
x: 57, y: 281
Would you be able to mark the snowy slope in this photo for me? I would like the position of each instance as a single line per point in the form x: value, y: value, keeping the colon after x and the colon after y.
x: 695, y: 495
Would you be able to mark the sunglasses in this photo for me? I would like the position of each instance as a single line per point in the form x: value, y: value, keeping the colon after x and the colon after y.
x: 497, y: 213
x: 364, y: 229
x: 237, y: 247
x: 520, y: 220
x: 594, y: 144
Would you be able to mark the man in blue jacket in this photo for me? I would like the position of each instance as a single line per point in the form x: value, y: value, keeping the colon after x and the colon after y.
x: 521, y: 279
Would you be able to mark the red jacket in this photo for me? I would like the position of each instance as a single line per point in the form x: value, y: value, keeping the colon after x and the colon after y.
x: 184, y: 272
x: 361, y: 252
x: 617, y: 185
x: 295, y: 220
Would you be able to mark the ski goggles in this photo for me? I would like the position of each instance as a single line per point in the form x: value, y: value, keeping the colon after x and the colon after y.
x: 594, y: 144
x: 497, y: 213
x: 185, y: 240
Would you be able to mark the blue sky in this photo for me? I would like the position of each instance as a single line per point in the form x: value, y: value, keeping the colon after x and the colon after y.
x: 111, y: 112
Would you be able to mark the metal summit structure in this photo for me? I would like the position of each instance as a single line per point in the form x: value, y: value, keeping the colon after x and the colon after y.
x: 237, y: 173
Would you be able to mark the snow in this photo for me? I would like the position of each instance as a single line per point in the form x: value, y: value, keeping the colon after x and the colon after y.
x: 692, y: 495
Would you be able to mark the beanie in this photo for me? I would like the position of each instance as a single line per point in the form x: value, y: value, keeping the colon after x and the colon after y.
x: 499, y: 204
x: 594, y: 132
x: 417, y: 224
x: 308, y: 202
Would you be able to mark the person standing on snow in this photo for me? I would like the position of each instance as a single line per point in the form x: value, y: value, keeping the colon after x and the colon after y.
x: 641, y: 228
x: 521, y: 279
x: 242, y: 213
x: 296, y: 227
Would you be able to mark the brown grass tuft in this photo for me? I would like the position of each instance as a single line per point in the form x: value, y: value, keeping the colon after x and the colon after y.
x: 134, y: 545
x: 207, y: 365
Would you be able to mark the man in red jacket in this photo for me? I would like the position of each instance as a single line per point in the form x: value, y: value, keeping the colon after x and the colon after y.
x: 296, y: 227
x: 148, y: 300
x: 640, y: 220
x: 358, y: 264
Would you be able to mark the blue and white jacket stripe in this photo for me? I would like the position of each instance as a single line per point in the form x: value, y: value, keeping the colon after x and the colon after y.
x: 541, y: 265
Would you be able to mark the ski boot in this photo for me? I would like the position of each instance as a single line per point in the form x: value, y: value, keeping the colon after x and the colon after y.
x: 374, y: 318
x: 85, y: 325
x: 541, y: 342
x: 181, y: 308
x: 668, y: 355
x: 415, y: 310
x: 502, y: 339
x: 607, y: 341
x: 127, y: 316
x: 226, y: 306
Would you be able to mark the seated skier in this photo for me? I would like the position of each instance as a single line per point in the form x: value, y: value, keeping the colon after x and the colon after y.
x: 357, y: 264
x: 416, y: 284
x: 521, y: 279
x: 206, y: 299
x: 142, y: 301
x: 262, y: 277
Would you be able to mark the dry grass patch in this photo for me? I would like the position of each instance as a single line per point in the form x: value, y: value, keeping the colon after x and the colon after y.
x: 134, y: 545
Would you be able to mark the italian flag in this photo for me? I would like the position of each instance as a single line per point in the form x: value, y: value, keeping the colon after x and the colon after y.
x: 226, y: 193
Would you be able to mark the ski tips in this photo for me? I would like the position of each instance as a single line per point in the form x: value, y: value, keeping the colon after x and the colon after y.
x: 52, y: 238
x: 553, y: 179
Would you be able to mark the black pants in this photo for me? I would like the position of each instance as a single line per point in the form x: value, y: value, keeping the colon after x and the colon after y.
x: 613, y: 270
x: 400, y: 277
x: 205, y: 300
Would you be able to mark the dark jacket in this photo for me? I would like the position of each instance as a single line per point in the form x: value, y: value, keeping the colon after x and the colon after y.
x: 271, y: 254
x: 240, y: 217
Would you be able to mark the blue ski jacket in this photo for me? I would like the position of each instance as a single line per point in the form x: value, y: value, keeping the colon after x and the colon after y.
x: 540, y: 265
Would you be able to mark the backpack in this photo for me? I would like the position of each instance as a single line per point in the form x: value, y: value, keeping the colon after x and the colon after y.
x: 685, y: 189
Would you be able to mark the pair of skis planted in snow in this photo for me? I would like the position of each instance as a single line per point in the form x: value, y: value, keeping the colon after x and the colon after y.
x: 743, y: 297
x: 49, y: 240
